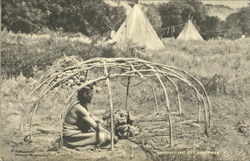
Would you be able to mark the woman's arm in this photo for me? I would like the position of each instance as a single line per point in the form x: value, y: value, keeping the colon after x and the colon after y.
x: 86, y: 116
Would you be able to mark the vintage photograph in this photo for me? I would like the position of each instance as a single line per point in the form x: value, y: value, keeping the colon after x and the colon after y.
x: 125, y: 80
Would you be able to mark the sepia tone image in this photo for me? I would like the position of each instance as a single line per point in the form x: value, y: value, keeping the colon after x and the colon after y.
x: 125, y: 80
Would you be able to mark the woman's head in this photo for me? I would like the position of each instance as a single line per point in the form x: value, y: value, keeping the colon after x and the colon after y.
x: 85, y: 94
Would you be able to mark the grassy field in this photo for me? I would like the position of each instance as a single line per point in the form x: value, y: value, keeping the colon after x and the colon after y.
x: 222, y: 65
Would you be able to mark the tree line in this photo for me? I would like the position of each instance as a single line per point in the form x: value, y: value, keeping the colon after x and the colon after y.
x: 95, y: 17
x: 85, y: 16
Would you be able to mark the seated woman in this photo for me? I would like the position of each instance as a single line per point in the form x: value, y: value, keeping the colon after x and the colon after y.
x: 79, y: 127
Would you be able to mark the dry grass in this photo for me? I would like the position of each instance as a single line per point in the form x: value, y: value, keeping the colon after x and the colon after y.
x: 230, y: 109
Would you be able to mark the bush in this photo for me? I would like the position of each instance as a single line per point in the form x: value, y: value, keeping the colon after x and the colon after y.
x: 177, y: 12
x: 19, y: 56
x: 227, y: 58
x: 237, y: 24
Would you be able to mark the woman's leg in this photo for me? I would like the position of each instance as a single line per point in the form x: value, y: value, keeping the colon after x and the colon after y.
x: 84, y: 139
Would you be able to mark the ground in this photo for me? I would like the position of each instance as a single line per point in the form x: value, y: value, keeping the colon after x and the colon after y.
x: 228, y: 139
x: 44, y: 145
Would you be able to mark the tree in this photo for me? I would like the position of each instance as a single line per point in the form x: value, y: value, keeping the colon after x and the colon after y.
x: 197, y: 10
x: 85, y: 16
x: 151, y: 11
x: 211, y: 27
x: 177, y: 12
x: 237, y: 24
x: 245, y: 20
x: 170, y: 15
x: 22, y: 15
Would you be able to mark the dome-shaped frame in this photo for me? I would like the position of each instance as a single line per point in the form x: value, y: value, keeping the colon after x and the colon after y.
x: 126, y: 67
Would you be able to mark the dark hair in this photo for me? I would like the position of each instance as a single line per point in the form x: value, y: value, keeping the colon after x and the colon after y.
x: 83, y: 92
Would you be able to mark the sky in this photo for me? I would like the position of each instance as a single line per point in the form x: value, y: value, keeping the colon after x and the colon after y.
x: 230, y: 3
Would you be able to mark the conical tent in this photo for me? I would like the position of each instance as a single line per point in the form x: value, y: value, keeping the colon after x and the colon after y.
x: 138, y: 29
x: 189, y: 32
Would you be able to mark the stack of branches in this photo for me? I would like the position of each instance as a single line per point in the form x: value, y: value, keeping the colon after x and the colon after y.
x: 111, y: 68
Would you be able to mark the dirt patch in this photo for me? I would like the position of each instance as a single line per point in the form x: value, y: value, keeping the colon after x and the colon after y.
x: 44, y: 145
x: 228, y: 138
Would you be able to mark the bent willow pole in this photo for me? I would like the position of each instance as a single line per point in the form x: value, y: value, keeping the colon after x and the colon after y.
x: 112, y: 68
x: 111, y: 106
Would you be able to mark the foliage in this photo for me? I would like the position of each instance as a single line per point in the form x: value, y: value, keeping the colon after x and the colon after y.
x: 208, y: 57
x: 87, y: 17
x: 178, y: 12
x: 229, y: 58
x: 221, y: 65
x: 23, y: 15
x: 203, y: 59
x: 153, y: 15
x: 211, y: 27
x: 238, y: 23
x: 19, y: 56
x: 96, y: 18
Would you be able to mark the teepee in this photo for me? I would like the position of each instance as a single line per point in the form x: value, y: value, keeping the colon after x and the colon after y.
x: 189, y: 32
x: 138, y: 29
